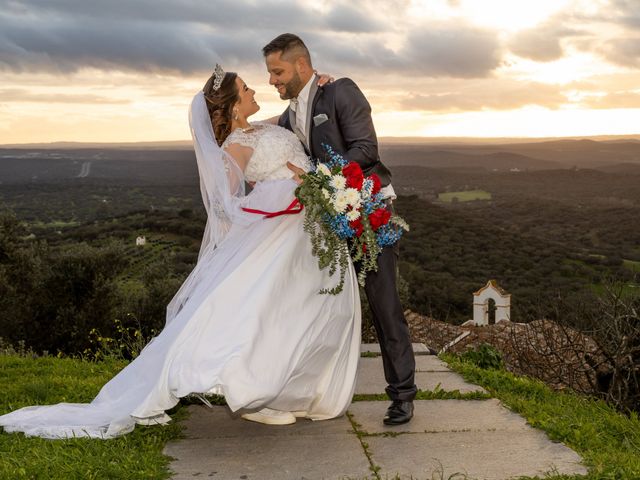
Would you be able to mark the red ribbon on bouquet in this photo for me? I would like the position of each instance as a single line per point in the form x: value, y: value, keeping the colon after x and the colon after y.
x: 293, y: 208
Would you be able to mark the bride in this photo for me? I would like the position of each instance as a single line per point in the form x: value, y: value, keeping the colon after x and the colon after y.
x: 248, y: 323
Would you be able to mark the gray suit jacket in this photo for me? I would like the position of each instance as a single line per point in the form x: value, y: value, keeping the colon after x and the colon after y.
x: 340, y: 116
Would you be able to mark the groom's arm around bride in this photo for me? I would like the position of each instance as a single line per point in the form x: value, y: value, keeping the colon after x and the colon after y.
x: 339, y: 115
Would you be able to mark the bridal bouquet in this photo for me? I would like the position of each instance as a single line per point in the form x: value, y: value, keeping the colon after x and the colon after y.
x: 346, y: 216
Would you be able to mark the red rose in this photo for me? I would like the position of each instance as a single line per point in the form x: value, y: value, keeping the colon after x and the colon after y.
x: 379, y: 217
x: 357, y: 226
x: 353, y: 174
x: 377, y: 185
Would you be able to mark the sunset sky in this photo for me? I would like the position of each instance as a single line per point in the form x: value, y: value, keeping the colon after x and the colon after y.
x: 125, y: 70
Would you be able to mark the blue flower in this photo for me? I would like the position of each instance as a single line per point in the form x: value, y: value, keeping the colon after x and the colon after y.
x: 387, y: 235
x: 368, y: 207
x: 335, y: 159
x: 340, y: 225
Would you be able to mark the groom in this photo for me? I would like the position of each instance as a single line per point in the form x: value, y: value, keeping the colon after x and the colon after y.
x: 339, y: 115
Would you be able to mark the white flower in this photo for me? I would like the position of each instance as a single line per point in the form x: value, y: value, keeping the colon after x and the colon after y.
x: 339, y: 206
x: 353, y: 215
x: 353, y: 196
x: 339, y: 201
x: 326, y: 194
x: 338, y: 182
x: 322, y: 168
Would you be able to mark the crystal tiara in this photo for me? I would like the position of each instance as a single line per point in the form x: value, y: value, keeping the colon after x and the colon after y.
x: 218, y: 76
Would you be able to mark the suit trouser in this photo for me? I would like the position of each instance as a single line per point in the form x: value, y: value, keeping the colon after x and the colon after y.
x: 391, y: 327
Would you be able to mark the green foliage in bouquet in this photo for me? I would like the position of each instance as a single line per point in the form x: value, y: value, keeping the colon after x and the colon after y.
x: 331, y: 251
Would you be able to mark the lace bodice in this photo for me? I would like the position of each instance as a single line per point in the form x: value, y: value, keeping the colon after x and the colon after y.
x: 273, y: 147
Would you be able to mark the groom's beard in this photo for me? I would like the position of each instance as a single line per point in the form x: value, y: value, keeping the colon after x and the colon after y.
x: 292, y: 88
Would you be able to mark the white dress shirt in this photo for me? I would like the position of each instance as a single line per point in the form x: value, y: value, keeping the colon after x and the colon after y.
x: 301, y: 105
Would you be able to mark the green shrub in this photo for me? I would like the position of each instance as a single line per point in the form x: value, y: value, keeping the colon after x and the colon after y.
x: 485, y: 356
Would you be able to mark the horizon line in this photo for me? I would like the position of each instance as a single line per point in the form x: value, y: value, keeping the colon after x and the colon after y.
x: 382, y: 139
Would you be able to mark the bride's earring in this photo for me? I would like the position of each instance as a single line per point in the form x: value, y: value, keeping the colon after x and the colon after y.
x: 235, y: 114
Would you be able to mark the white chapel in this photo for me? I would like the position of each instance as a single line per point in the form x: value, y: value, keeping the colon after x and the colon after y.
x: 491, y: 291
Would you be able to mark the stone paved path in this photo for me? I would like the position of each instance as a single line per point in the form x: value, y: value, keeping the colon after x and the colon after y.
x: 479, y: 438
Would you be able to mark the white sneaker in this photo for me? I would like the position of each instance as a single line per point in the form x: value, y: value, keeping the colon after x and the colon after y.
x: 270, y: 417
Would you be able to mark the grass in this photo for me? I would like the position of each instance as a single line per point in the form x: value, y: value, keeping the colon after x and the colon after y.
x: 464, y: 196
x: 436, y: 394
x: 632, y: 265
x: 131, y: 286
x: 627, y: 290
x: 375, y: 469
x: 48, y: 380
x: 608, y: 441
x: 369, y: 354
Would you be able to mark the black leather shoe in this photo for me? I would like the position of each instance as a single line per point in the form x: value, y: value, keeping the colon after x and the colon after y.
x: 398, y: 413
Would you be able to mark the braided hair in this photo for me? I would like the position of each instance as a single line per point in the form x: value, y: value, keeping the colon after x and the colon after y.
x: 220, y: 104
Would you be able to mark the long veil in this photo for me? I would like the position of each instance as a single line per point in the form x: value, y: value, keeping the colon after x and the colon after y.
x: 222, y: 185
x: 222, y: 188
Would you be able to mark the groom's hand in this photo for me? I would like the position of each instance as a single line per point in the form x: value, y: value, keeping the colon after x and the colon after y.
x: 297, y: 171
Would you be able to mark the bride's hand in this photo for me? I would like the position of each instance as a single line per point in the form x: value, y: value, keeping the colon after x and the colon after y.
x: 324, y: 79
x: 297, y: 172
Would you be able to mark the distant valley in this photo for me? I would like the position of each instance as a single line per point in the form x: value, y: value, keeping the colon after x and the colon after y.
x: 542, y: 218
x: 177, y: 164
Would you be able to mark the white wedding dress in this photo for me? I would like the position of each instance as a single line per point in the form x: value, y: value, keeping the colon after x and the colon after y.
x: 249, y: 322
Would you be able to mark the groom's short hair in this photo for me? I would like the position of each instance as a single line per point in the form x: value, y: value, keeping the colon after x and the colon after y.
x: 291, y: 46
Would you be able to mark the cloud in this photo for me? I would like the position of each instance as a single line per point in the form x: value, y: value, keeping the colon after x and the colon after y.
x: 446, y: 50
x: 620, y: 13
x: 610, y: 28
x: 487, y: 95
x: 66, y: 45
x: 348, y: 18
x: 452, y: 50
x: 226, y: 14
x: 18, y: 95
x: 365, y: 54
x: 614, y: 100
x: 163, y: 37
x: 153, y: 36
x: 626, y: 12
x: 609, y: 82
x: 622, y: 51
x: 542, y: 43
